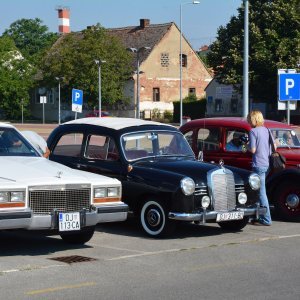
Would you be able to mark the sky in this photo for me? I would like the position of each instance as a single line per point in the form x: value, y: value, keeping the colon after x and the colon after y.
x: 199, y: 21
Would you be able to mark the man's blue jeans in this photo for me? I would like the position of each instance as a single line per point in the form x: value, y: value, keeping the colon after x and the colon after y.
x: 263, y: 199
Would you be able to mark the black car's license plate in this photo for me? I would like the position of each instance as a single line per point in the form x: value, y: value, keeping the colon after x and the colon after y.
x: 228, y: 216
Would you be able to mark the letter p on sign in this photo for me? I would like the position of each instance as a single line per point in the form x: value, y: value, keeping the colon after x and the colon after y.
x: 289, y: 84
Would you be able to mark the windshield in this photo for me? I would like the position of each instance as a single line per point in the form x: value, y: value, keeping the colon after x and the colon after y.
x: 155, y: 143
x: 12, y: 143
x: 285, y: 138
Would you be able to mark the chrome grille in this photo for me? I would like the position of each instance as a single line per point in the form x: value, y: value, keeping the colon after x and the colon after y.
x: 44, y: 201
x: 199, y: 191
x: 222, y: 190
x: 239, y: 188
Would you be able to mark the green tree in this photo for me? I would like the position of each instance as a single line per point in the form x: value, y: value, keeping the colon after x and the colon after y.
x: 31, y: 37
x: 73, y: 59
x: 15, y: 79
x: 274, y: 36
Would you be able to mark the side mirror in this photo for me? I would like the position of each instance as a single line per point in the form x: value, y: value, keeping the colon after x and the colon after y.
x: 200, y: 156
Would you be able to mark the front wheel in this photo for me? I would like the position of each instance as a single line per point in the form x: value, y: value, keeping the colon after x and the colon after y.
x: 78, y: 237
x: 287, y: 200
x: 154, y: 219
x: 234, y: 225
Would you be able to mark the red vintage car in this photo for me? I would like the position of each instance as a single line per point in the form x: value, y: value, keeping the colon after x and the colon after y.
x: 95, y: 113
x: 213, y: 139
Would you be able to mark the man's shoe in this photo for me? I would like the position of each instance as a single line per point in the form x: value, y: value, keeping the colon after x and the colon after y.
x: 259, y: 223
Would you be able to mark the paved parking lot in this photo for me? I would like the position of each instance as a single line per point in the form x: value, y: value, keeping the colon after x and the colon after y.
x: 197, y: 262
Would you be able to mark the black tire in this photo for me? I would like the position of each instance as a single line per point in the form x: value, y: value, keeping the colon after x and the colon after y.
x: 154, y: 219
x: 80, y: 237
x: 236, y: 225
x: 287, y: 201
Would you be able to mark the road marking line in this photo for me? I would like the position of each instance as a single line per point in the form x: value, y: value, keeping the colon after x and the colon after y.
x: 60, y: 288
x: 263, y: 239
x: 28, y: 268
x: 117, y: 248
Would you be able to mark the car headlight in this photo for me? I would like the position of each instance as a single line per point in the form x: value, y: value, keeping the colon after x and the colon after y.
x: 100, y: 192
x: 242, y: 198
x: 4, y: 196
x: 112, y: 192
x: 254, y: 181
x: 187, y: 186
x: 205, y: 201
x: 17, y: 197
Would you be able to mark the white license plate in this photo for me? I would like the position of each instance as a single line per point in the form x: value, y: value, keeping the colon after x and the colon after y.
x: 228, y: 216
x: 69, y: 221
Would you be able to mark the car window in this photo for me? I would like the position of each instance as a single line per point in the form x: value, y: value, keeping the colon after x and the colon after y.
x: 155, y: 143
x: 189, y: 137
x: 233, y: 140
x: 101, y: 147
x: 208, y: 139
x: 69, y: 145
x: 12, y: 143
x: 285, y: 138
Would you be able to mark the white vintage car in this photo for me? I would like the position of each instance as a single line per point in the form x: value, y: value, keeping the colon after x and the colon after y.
x: 38, y: 194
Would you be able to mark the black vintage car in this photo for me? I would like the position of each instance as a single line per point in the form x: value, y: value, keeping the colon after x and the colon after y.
x: 162, y: 182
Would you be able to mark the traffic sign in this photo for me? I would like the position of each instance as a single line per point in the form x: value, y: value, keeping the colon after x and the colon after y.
x: 77, y: 100
x: 43, y: 99
x: 289, y: 87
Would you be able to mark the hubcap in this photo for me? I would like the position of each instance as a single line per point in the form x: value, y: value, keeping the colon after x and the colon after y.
x: 153, y: 217
x: 292, y: 200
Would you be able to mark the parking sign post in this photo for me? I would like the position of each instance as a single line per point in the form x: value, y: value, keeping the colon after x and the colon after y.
x: 289, y: 87
x: 77, y: 100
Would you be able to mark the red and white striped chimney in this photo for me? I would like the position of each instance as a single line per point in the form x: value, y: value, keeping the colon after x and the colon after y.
x: 63, y: 20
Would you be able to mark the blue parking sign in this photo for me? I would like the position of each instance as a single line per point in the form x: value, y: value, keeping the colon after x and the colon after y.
x: 289, y: 86
x: 77, y: 100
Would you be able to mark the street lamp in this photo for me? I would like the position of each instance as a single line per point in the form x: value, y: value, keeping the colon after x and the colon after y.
x: 99, y: 62
x: 59, y: 80
x: 181, y: 4
x: 137, y: 51
x: 246, y: 60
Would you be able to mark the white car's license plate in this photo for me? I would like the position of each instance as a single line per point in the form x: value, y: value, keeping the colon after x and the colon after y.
x: 228, y: 216
x: 69, y: 221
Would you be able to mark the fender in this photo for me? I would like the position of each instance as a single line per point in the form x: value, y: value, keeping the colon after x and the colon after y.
x: 276, y: 179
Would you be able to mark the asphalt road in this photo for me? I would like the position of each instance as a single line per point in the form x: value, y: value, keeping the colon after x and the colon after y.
x: 198, y: 262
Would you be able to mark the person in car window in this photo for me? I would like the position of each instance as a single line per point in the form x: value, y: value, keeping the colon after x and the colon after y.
x: 234, y: 144
x: 259, y: 146
x: 287, y: 139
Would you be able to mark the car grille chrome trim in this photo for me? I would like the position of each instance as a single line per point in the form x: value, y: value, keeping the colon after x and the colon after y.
x: 199, y: 191
x: 44, y: 200
x: 239, y: 188
x: 221, y: 188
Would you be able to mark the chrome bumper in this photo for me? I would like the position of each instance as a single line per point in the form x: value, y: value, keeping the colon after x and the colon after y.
x: 212, y: 215
x: 25, y: 219
x: 112, y: 213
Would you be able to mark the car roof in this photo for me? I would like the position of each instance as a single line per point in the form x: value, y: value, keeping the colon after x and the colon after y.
x: 2, y: 124
x: 239, y: 122
x: 115, y: 123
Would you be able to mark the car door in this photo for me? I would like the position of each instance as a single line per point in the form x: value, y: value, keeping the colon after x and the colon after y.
x: 208, y: 140
x: 101, y: 155
x: 68, y: 149
x: 233, y: 152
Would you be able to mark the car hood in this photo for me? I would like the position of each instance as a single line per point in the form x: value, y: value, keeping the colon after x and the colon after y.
x: 39, y: 170
x: 191, y: 168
